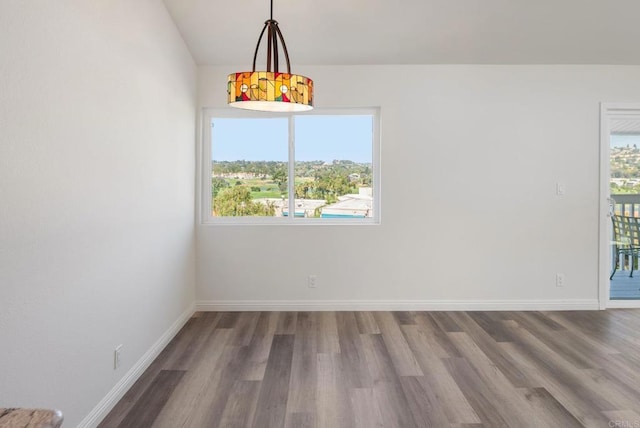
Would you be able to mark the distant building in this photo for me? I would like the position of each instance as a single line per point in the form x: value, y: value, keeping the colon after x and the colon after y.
x: 348, y: 206
x: 304, y: 207
x: 618, y: 181
x: 351, y: 206
x: 236, y: 175
x: 366, y: 191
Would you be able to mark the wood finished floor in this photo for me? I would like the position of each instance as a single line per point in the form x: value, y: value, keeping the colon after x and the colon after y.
x: 393, y: 369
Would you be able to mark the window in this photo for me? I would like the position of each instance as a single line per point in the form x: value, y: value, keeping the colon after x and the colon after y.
x: 319, y: 167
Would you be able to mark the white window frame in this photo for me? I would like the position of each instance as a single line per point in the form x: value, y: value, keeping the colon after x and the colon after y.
x: 205, y: 168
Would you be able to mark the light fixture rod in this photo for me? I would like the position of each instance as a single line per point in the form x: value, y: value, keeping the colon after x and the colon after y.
x: 273, y: 35
x: 275, y: 50
x: 269, y: 47
x: 284, y: 48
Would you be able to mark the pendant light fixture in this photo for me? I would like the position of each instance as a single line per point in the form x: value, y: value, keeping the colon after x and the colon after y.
x: 270, y: 90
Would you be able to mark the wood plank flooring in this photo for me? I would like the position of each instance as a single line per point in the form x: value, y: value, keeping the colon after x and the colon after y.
x: 393, y: 369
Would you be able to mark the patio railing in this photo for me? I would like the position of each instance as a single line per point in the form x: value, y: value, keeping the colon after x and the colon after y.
x: 627, y: 205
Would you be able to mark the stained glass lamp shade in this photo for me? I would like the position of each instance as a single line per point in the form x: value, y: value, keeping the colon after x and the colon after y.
x: 270, y: 90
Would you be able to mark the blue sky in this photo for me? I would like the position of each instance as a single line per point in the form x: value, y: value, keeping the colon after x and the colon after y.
x: 623, y: 140
x: 326, y: 138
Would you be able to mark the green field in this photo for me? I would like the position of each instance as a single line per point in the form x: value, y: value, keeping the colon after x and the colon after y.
x: 268, y: 188
x: 266, y: 194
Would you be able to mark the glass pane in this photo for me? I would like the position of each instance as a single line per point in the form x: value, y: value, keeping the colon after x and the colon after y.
x: 334, y: 166
x: 624, y: 183
x: 249, y: 167
x: 625, y: 174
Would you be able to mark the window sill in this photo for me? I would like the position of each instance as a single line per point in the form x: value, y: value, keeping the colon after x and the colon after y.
x: 233, y: 221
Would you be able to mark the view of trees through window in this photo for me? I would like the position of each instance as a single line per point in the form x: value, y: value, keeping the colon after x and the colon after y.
x: 331, y: 155
x: 625, y: 164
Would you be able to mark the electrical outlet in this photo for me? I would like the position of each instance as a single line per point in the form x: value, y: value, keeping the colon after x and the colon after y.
x: 559, y: 280
x: 117, y: 354
x: 312, y: 281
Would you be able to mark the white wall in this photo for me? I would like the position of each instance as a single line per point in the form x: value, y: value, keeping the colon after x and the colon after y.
x: 97, y: 121
x: 470, y: 160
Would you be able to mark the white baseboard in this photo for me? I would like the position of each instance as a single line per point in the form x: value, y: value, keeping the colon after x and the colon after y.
x: 612, y: 304
x: 117, y: 392
x: 396, y: 305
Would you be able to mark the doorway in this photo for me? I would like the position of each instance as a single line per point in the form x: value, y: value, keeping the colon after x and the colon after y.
x: 619, y: 278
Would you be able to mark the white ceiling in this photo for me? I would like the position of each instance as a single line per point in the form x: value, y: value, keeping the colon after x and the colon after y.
x: 333, y: 32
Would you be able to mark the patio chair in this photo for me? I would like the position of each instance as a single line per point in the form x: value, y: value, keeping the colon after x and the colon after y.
x: 626, y: 238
